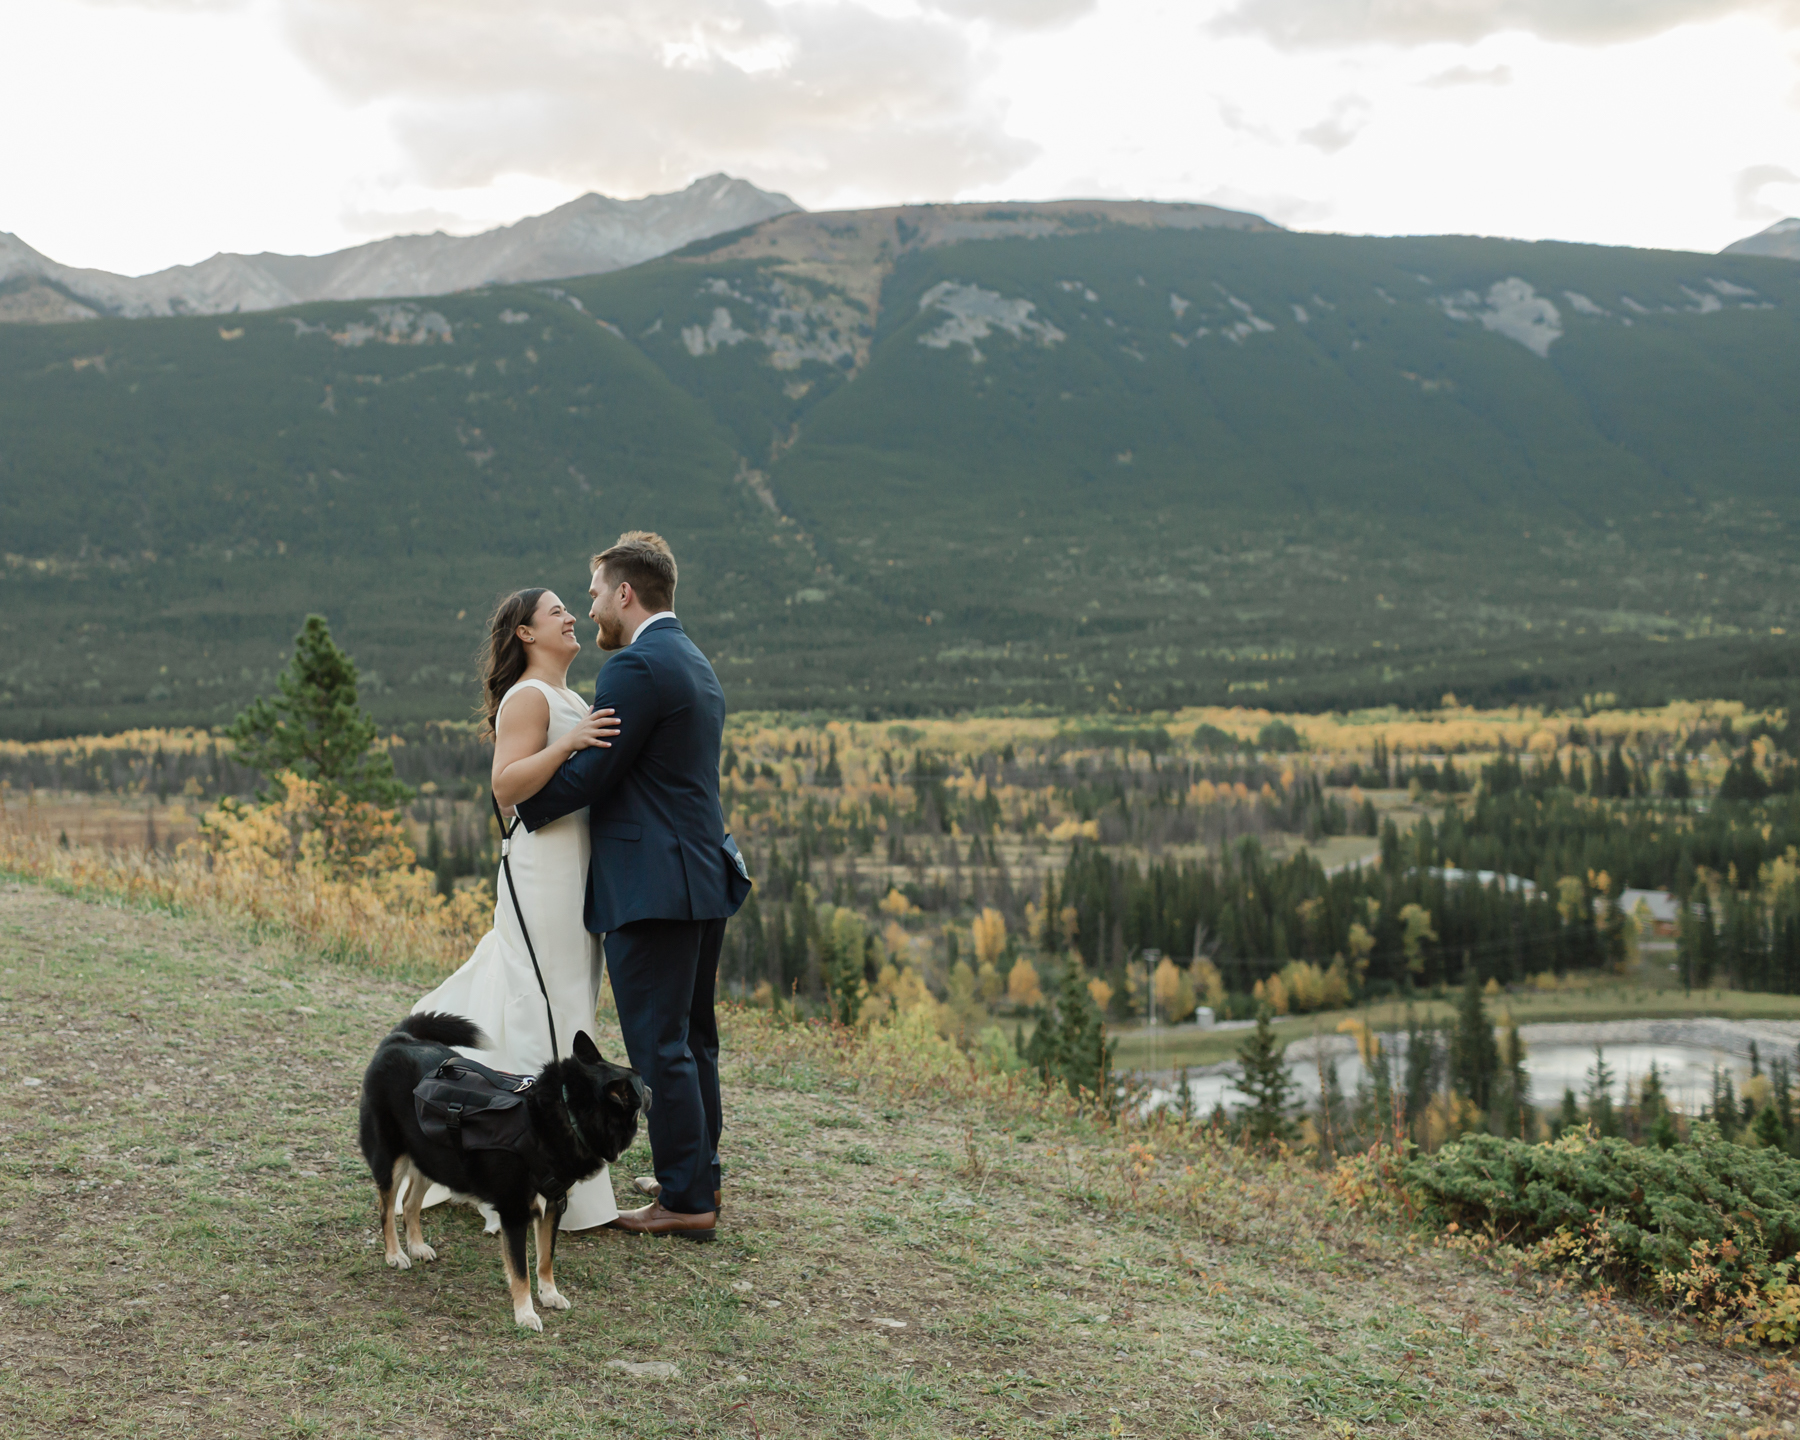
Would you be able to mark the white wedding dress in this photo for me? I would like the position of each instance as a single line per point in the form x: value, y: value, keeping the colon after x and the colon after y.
x: 496, y: 987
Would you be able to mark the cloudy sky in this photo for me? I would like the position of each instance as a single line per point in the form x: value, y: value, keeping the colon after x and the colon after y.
x: 141, y: 133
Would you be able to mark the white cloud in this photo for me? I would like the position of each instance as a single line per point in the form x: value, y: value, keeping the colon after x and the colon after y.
x: 1347, y: 117
x: 1752, y: 180
x: 1332, y: 23
x: 156, y: 133
x: 835, y: 100
x: 1469, y: 75
x: 1017, y: 14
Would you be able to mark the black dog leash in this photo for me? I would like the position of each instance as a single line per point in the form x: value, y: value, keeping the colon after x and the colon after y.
x: 506, y: 834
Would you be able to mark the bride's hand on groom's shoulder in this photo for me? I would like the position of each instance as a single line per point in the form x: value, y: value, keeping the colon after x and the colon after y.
x: 597, y: 729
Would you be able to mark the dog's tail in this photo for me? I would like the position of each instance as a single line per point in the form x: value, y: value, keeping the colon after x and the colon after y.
x: 444, y: 1029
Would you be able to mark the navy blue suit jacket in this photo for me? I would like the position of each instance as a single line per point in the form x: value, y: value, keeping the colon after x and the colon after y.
x: 660, y: 848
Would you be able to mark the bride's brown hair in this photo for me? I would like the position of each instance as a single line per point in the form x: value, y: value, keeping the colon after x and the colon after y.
x: 503, y: 658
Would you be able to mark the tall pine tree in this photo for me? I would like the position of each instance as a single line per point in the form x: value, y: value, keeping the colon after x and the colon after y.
x: 1266, y: 1084
x: 1600, y: 1107
x: 314, y: 728
x: 1474, y: 1056
x: 1070, y: 1044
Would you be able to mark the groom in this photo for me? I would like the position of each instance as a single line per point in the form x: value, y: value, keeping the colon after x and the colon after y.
x: 664, y: 876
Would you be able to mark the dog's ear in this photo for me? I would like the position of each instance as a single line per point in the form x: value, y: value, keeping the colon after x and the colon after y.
x: 585, y: 1050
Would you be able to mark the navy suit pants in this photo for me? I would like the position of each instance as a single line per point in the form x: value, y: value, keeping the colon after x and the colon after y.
x: 664, y: 973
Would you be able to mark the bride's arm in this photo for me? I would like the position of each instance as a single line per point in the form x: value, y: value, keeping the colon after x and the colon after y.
x: 524, y: 756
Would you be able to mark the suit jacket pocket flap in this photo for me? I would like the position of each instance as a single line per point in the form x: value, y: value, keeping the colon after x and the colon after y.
x: 618, y: 830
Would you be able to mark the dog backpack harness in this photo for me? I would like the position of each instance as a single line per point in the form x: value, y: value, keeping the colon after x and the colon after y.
x: 477, y: 1108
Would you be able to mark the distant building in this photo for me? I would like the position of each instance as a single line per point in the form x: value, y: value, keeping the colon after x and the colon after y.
x: 1663, y: 908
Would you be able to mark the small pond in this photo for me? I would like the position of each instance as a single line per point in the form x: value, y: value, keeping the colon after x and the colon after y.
x: 1686, y: 1070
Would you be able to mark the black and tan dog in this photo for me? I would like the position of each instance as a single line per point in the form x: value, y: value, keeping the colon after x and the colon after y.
x: 574, y: 1116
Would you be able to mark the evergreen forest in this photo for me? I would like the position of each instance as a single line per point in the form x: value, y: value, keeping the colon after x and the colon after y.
x: 1099, y: 472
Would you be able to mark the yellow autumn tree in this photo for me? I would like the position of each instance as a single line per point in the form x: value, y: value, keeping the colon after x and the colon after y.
x: 1174, y: 990
x: 988, y: 932
x: 962, y: 1014
x: 896, y: 941
x: 899, y: 990
x: 1415, y: 934
x: 1023, y: 986
x: 1368, y: 1043
x: 309, y: 826
x: 1272, y: 992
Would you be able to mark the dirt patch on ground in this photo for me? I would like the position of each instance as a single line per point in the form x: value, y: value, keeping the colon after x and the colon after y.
x: 190, y: 1249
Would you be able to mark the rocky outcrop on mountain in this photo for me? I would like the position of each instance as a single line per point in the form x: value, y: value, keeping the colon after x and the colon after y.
x: 587, y: 236
x: 1782, y: 240
x: 854, y: 250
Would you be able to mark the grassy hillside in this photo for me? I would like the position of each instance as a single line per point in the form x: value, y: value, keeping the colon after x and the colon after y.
x: 186, y: 1214
x: 1155, y: 466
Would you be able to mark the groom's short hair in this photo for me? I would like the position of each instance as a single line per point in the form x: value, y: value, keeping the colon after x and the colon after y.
x: 641, y: 559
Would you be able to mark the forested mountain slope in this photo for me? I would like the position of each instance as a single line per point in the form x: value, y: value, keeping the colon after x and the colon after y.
x: 908, y: 466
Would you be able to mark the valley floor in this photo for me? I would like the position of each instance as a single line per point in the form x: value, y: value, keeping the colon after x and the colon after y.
x: 188, y: 1245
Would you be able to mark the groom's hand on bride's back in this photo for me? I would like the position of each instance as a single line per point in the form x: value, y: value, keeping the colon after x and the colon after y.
x: 598, y: 729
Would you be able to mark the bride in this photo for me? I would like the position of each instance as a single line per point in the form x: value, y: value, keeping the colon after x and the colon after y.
x: 536, y: 723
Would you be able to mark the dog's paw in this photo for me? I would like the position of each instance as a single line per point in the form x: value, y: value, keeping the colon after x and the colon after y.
x: 551, y: 1298
x: 529, y: 1319
x: 397, y: 1258
x: 421, y: 1251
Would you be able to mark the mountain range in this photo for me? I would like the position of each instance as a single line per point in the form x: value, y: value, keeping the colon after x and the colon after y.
x: 588, y: 236
x: 1077, y: 455
x: 1782, y: 239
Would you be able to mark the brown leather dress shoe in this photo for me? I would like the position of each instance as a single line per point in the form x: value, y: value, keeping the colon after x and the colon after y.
x: 651, y: 1186
x: 654, y: 1220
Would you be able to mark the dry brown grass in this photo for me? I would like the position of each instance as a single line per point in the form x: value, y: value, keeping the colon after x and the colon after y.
x: 388, y: 918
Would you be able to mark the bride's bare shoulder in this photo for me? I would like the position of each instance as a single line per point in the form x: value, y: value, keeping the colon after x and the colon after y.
x: 524, y: 705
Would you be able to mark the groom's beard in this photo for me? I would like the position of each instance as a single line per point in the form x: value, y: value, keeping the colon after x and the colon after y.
x: 611, y: 632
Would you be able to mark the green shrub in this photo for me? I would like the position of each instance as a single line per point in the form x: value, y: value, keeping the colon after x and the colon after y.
x: 1645, y: 1217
